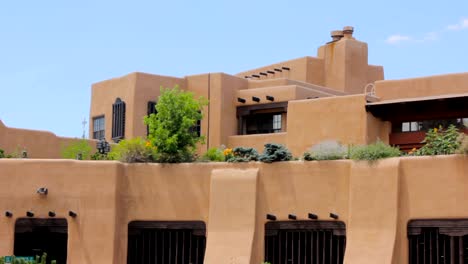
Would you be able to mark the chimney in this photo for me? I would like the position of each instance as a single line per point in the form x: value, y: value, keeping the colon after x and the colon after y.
x: 348, y: 32
x: 336, y: 35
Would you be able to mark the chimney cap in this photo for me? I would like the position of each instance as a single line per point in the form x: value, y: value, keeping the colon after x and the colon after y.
x: 348, y: 29
x: 336, y: 33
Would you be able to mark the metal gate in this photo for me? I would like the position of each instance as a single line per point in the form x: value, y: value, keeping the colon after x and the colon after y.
x: 438, y: 241
x: 166, y: 242
x: 305, y: 242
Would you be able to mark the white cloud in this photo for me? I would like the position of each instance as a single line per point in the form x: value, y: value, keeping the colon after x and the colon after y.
x: 397, y: 39
x: 460, y: 25
x: 430, y: 36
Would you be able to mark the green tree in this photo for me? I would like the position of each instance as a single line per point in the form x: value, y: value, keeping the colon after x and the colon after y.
x: 170, y: 129
x: 79, y: 149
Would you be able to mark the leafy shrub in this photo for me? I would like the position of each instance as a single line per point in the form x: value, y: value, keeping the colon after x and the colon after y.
x: 213, y: 154
x: 38, y: 260
x: 275, y: 152
x: 133, y: 150
x: 2, y: 153
x: 79, y: 149
x: 170, y: 129
x: 100, y: 156
x: 326, y: 150
x: 375, y: 151
x: 440, y: 142
x: 463, y: 148
x: 243, y: 154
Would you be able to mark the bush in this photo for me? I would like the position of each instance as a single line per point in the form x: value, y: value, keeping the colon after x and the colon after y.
x: 213, y: 154
x: 170, y: 129
x: 79, y: 149
x: 2, y: 153
x: 463, y: 148
x: 375, y: 151
x: 242, y: 154
x: 100, y: 156
x: 326, y: 150
x: 133, y: 150
x: 275, y: 152
x: 440, y: 142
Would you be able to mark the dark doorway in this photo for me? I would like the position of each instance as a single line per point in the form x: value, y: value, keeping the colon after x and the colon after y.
x: 164, y: 242
x: 305, y: 242
x: 35, y: 236
x: 443, y: 241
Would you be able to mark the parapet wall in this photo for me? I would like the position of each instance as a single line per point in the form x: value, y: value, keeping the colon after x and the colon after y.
x: 38, y: 144
x: 375, y: 201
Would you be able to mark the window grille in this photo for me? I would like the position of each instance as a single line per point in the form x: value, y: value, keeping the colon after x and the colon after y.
x: 99, y: 127
x: 118, y: 120
x: 438, y: 241
x: 305, y: 242
x: 166, y: 242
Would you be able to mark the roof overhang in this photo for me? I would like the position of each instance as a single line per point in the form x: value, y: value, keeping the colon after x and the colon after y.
x: 421, y: 108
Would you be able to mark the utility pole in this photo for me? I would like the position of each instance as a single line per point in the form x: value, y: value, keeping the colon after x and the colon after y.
x: 84, y: 126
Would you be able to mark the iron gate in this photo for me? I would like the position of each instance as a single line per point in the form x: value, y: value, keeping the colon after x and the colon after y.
x: 438, y: 241
x: 305, y: 242
x: 166, y: 242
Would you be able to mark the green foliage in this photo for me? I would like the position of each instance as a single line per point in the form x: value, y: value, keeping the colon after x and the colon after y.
x: 375, y: 151
x: 133, y: 150
x: 463, y: 148
x: 440, y: 142
x: 213, y: 154
x: 326, y: 150
x: 170, y: 129
x: 99, y: 156
x: 79, y: 149
x: 275, y: 152
x: 38, y: 260
x: 2, y: 153
x: 243, y: 154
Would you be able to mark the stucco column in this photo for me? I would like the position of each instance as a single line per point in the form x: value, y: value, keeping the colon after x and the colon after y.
x: 231, y: 224
x: 373, y: 212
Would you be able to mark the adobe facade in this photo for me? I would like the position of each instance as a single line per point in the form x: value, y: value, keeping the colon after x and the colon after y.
x: 299, y: 103
x: 378, y: 212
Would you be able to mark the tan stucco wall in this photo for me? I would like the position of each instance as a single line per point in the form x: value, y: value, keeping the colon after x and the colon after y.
x: 147, y: 88
x: 346, y: 66
x: 38, y: 144
x: 135, y: 89
x: 257, y: 141
x: 456, y: 83
x: 305, y: 69
x: 341, y: 118
x: 375, y: 201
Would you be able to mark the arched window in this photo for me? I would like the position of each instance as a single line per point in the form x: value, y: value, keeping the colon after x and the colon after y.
x: 118, y: 120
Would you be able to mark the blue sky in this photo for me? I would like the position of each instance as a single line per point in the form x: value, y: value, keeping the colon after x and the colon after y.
x: 52, y: 51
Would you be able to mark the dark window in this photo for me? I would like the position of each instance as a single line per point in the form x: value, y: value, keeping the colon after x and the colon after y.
x: 442, y: 241
x: 151, y: 110
x: 263, y: 123
x: 262, y: 118
x: 305, y: 242
x: 34, y: 236
x: 414, y: 126
x: 99, y: 127
x: 197, y: 127
x: 166, y: 242
x: 118, y: 120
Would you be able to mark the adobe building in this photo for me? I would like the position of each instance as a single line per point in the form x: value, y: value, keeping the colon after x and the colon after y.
x: 398, y: 210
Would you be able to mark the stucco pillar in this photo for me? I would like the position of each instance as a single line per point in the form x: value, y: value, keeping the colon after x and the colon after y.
x: 231, y: 224
x: 373, y: 212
